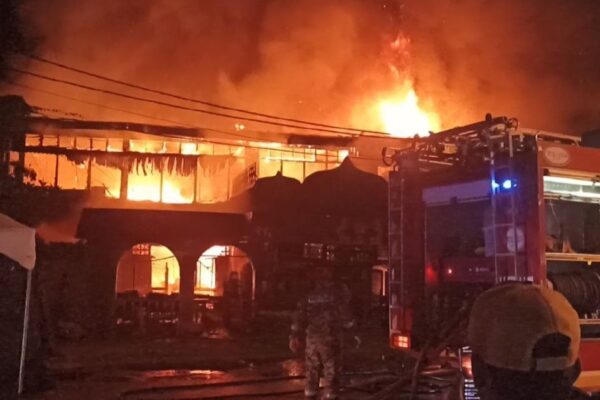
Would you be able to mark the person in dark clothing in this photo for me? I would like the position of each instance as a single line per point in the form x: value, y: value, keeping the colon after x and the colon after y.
x: 318, y: 324
x: 525, y: 341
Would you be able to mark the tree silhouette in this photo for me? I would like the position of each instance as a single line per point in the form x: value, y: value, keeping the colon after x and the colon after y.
x: 13, y: 38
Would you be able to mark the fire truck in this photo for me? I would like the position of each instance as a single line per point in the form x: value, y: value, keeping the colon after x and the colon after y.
x: 474, y: 206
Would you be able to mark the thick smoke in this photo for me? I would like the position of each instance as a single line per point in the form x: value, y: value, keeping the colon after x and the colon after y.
x: 304, y: 58
x: 537, y: 60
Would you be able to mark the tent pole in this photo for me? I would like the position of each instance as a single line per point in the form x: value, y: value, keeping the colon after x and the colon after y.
x: 25, y: 330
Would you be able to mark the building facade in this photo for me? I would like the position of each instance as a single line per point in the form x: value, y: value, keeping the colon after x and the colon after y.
x: 169, y: 215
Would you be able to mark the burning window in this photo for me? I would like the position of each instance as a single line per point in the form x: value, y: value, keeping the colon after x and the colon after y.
x: 148, y: 268
x: 83, y: 143
x: 206, y: 269
x: 177, y: 189
x: 218, y: 265
x: 293, y: 169
x: 99, y: 144
x: 44, y: 166
x: 115, y: 144
x: 160, y: 171
x: 33, y: 140
x: 189, y: 148
x: 144, y: 186
x: 107, y: 178
x: 146, y: 146
x: 72, y: 175
x: 67, y: 142
x: 212, y: 179
x: 50, y: 140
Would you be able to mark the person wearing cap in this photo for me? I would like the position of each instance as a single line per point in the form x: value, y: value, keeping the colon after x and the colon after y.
x: 525, y: 342
x: 318, y: 325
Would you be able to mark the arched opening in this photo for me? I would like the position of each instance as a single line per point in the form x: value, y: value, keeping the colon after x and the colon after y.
x: 147, y: 287
x: 220, y: 264
x: 148, y: 268
x: 225, y: 273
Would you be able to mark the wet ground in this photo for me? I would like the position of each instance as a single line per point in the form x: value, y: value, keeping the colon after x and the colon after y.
x: 240, y: 367
x: 280, y: 380
x: 272, y: 380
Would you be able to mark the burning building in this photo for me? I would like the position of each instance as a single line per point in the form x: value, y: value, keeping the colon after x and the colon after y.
x: 170, y: 214
x: 277, y: 190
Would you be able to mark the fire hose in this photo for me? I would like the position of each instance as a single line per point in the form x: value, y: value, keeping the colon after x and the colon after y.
x: 581, y: 288
x: 431, y: 381
x: 415, y: 381
x: 435, y: 344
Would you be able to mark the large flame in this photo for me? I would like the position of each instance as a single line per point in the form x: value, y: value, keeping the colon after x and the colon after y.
x: 398, y: 110
x: 148, y: 191
x: 401, y: 114
x: 172, y: 194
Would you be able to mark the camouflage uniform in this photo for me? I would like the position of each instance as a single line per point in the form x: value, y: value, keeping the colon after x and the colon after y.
x: 320, y: 318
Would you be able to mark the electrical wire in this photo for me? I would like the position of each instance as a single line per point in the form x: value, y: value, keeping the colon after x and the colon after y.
x: 91, y: 103
x: 197, y: 101
x: 122, y: 110
x: 176, y: 106
x: 179, y: 137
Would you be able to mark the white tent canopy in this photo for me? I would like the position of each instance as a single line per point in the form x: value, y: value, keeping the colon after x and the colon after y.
x: 17, y: 241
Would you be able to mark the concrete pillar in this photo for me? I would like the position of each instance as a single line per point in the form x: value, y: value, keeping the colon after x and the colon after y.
x: 102, y: 287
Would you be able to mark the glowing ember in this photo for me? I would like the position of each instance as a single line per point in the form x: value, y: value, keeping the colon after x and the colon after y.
x: 402, y: 116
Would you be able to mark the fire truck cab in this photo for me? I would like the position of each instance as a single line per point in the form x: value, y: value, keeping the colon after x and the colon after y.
x: 487, y: 203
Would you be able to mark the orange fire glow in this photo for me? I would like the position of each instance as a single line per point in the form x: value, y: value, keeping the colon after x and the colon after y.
x: 149, y: 191
x: 172, y: 194
x: 402, y: 115
x: 399, y: 111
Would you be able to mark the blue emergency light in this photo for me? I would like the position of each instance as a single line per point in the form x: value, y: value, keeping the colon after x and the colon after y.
x: 507, y: 184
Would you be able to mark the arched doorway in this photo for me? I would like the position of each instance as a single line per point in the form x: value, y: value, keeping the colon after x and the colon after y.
x: 225, y: 276
x: 217, y: 265
x: 147, y: 288
x: 148, y: 268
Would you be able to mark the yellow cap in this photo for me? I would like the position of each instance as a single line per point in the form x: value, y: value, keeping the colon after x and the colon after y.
x: 509, y: 320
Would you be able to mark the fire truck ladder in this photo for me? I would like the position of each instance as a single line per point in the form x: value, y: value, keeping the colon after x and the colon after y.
x: 502, y: 199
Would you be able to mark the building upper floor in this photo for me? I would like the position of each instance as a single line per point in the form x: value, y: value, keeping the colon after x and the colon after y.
x: 164, y: 171
x: 152, y: 166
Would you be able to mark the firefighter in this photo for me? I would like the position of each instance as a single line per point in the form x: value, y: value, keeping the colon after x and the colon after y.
x: 318, y: 325
x: 525, y: 341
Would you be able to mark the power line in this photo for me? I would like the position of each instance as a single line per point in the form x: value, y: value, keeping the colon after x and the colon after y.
x: 180, y: 137
x: 125, y: 111
x: 122, y: 110
x: 197, y: 101
x: 91, y: 103
x: 180, y: 107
